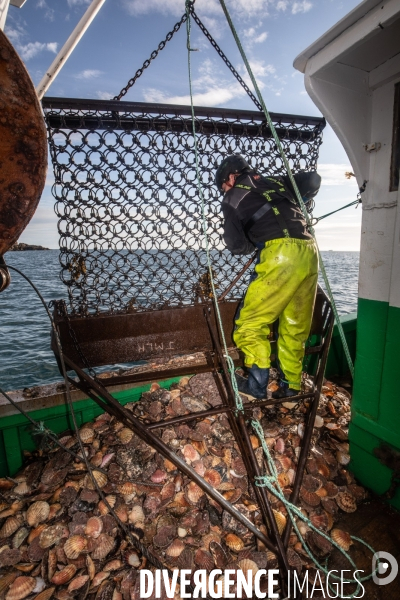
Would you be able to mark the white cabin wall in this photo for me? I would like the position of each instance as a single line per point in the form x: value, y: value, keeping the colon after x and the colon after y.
x: 379, y: 205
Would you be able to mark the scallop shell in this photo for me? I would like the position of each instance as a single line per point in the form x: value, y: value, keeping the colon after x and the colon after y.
x: 246, y: 565
x: 204, y: 560
x: 113, y: 565
x: 175, y: 549
x: 63, y: 576
x: 284, y: 480
x: 7, y: 580
x: 126, y: 489
x: 90, y: 567
x: 280, y: 520
x: 136, y: 514
x: 94, y: 527
x: 102, y: 506
x: 87, y: 435
x: 37, y: 513
x: 238, y: 467
x: 10, y: 526
x: 342, y: 538
x: 125, y: 435
x: 51, y: 535
x: 105, y: 543
x: 101, y: 480
x: 132, y: 559
x: 54, y: 510
x: 190, y: 453
x: 122, y: 512
x: 320, y: 521
x: 234, y: 542
x: 158, y: 476
x: 212, y: 477
x: 319, y: 421
x: 346, y: 502
x: 194, y: 493
x: 22, y: 489
x: 310, y: 498
x: 77, y: 582
x: 46, y: 594
x: 74, y: 546
x: 342, y: 457
x: 280, y: 445
x: 21, y: 587
x: 20, y: 537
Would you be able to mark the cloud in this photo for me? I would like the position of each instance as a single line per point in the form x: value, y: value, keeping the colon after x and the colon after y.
x: 104, y: 95
x: 31, y: 49
x: 214, y: 96
x: 282, y: 5
x: 253, y: 37
x: 27, y: 51
x: 48, y: 12
x: 77, y: 2
x: 299, y: 7
x: 241, y: 8
x: 261, y: 38
x: 334, y: 174
x: 88, y: 74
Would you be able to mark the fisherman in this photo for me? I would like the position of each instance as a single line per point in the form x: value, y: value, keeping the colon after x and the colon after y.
x: 261, y: 212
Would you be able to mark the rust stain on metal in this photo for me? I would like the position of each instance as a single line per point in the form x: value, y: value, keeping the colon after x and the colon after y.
x: 23, y: 147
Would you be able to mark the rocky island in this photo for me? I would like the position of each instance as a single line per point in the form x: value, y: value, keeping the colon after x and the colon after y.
x: 19, y: 247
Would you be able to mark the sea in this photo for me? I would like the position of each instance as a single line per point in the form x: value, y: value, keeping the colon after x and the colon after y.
x: 25, y: 355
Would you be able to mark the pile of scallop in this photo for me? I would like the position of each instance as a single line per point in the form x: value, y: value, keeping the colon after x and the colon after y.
x: 58, y: 537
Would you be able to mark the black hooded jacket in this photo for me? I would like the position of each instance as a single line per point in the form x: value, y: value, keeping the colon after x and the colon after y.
x: 239, y: 205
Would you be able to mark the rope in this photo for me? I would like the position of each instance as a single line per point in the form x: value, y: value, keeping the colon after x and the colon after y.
x: 318, y: 219
x: 294, y: 184
x: 271, y: 482
x: 230, y: 363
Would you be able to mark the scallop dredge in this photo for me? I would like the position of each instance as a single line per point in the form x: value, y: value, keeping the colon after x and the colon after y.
x: 59, y: 539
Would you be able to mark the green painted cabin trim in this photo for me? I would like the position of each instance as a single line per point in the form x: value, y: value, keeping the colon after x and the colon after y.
x: 375, y: 415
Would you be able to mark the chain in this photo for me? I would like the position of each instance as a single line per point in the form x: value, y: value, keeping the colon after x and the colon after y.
x: 61, y: 307
x: 225, y: 58
x: 153, y: 55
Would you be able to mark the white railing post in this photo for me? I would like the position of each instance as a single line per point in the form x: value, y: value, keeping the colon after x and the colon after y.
x: 4, y: 4
x: 68, y: 47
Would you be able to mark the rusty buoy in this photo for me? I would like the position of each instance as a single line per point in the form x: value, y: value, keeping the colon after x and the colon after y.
x: 23, y: 149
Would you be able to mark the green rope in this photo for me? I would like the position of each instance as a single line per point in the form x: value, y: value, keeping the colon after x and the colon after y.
x: 294, y: 184
x: 271, y: 482
x: 318, y: 219
x: 230, y: 364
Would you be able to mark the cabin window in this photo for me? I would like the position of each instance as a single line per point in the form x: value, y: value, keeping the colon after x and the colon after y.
x: 395, y: 164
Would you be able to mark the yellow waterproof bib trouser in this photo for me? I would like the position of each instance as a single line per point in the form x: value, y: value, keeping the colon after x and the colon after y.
x: 284, y: 289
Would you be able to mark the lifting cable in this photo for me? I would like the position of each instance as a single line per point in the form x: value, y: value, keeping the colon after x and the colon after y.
x: 269, y: 481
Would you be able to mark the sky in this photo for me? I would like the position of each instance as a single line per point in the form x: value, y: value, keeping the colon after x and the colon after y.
x: 125, y: 32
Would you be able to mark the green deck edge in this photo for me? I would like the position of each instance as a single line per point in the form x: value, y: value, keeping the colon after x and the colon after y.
x: 16, y: 431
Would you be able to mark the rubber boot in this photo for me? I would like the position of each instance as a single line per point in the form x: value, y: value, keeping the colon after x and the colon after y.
x: 256, y: 383
x: 284, y: 391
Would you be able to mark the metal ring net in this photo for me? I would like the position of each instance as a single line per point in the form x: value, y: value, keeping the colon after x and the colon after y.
x: 131, y: 234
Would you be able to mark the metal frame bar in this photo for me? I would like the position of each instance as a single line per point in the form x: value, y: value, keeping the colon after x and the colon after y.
x: 216, y: 364
x: 117, y: 106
